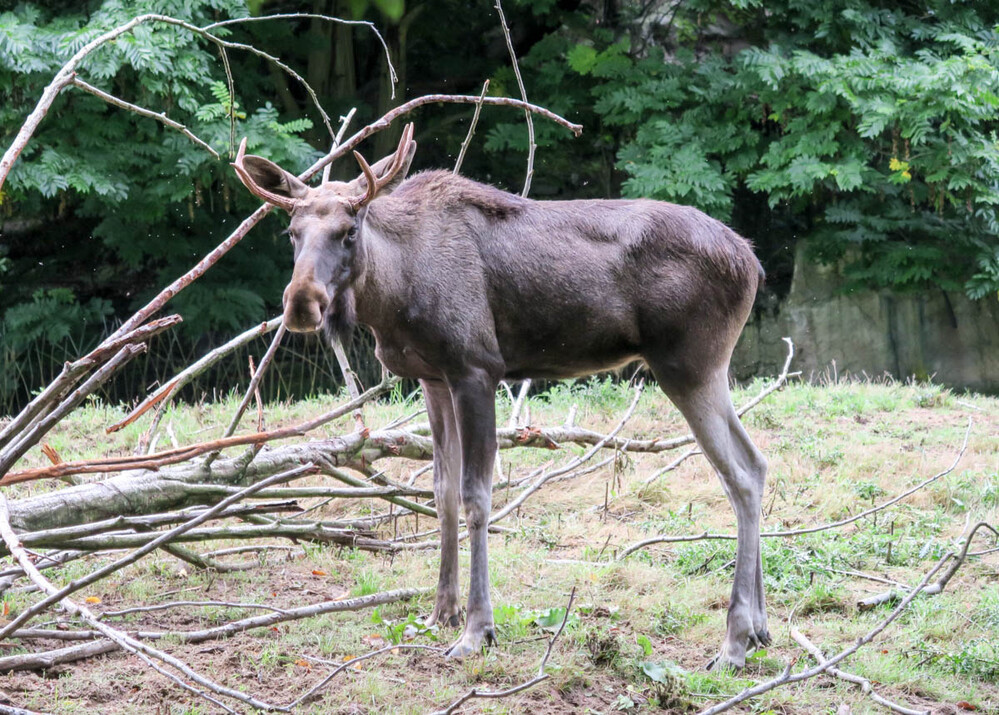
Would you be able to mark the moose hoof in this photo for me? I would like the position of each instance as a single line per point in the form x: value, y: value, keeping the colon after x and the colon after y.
x: 726, y: 661
x: 762, y: 638
x: 472, y: 642
x: 444, y: 617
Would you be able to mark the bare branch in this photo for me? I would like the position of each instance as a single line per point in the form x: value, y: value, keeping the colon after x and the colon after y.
x: 225, y: 630
x: 394, y: 78
x: 666, y: 539
x: 131, y: 558
x: 32, y: 434
x: 787, y: 677
x: 540, y: 677
x: 160, y: 117
x: 471, y: 129
x: 147, y: 653
x: 531, y: 146
x: 164, y: 394
x: 309, y: 694
x: 941, y: 583
x: 183, y: 454
x: 865, y: 684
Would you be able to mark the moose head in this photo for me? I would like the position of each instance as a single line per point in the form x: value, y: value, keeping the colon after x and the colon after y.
x: 326, y: 229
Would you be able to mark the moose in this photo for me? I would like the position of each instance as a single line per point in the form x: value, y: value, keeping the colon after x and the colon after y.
x: 464, y: 285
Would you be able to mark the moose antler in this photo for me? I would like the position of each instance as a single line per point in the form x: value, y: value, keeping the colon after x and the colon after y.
x: 377, y: 184
x: 283, y: 202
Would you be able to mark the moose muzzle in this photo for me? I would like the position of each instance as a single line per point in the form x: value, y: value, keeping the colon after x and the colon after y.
x: 305, y: 302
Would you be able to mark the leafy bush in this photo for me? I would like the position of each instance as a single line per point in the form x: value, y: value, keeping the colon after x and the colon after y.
x: 873, y: 126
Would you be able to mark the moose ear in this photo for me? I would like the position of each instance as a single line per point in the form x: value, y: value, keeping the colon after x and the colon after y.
x: 271, y: 177
x: 268, y: 181
x: 360, y: 184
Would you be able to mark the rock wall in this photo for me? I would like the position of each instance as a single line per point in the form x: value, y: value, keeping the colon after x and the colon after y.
x: 944, y: 336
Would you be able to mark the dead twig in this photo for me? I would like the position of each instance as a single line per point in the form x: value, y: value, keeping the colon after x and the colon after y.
x: 934, y: 588
x: 787, y: 677
x: 666, y: 539
x: 126, y: 642
x: 183, y: 454
x: 531, y: 146
x: 310, y: 694
x: 17, y: 447
x: 471, y: 129
x: 160, y: 117
x: 865, y: 684
x: 540, y: 677
x: 152, y: 545
x: 225, y: 630
x: 572, y: 464
x: 163, y: 395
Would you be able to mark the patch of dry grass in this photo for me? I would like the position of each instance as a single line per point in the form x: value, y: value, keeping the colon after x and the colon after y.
x: 833, y: 450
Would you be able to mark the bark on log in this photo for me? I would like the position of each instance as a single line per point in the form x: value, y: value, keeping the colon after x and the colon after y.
x: 148, y: 492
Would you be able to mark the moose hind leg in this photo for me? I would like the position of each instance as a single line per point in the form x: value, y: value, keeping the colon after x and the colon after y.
x: 447, y: 474
x: 707, y: 406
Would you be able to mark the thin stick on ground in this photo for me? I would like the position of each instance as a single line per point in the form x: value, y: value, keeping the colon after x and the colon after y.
x: 126, y: 642
x: 941, y: 583
x: 540, y: 677
x: 310, y: 694
x: 865, y: 684
x: 148, y: 548
x: 666, y: 539
x: 226, y: 630
x: 787, y: 677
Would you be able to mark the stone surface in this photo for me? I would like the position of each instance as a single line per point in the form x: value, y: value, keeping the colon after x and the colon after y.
x: 933, y: 334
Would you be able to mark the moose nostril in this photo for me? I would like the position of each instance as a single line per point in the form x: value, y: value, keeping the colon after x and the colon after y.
x: 304, y: 308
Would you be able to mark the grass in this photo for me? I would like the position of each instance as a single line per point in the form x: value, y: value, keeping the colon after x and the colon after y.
x: 643, y: 628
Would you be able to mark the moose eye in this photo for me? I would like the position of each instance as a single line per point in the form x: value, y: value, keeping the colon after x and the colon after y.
x: 351, y: 235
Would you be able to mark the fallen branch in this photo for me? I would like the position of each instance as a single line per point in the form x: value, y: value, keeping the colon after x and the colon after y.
x: 935, y: 588
x: 226, y: 630
x: 163, y: 395
x: 72, y: 372
x: 123, y: 640
x: 184, y: 454
x: 531, y: 146
x: 666, y: 539
x: 36, y: 430
x: 787, y: 677
x: 313, y: 531
x: 310, y: 694
x: 540, y: 677
x: 865, y: 684
x: 160, y: 117
x: 131, y: 558
x: 471, y: 129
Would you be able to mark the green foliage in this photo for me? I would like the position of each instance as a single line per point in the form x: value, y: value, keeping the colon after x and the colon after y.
x: 876, y: 127
x: 122, y: 204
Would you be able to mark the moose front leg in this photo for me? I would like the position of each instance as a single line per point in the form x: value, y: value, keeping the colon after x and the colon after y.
x: 447, y: 476
x: 475, y: 413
